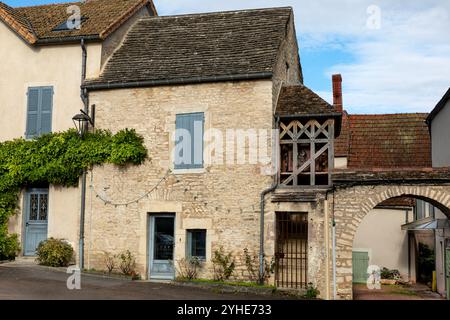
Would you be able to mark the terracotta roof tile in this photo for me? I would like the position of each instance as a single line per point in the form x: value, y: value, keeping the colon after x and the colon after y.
x: 385, y: 141
x: 103, y: 17
x: 198, y: 46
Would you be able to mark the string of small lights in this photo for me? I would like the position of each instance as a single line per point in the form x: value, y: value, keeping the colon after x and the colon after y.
x: 147, y: 195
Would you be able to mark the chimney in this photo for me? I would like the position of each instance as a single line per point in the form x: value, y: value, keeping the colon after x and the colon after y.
x: 337, y: 93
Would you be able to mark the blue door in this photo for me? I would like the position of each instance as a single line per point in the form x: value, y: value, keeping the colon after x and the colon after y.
x: 162, y: 243
x: 36, y: 219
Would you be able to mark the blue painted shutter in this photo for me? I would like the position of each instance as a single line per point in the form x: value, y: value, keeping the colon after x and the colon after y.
x: 39, y: 111
x: 46, y: 110
x: 33, y: 112
x: 194, y: 124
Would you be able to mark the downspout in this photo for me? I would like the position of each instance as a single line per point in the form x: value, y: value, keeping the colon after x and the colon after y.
x: 261, y: 218
x: 334, y: 250
x: 85, y: 99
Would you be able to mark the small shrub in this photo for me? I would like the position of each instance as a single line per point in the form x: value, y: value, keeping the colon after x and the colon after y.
x: 311, y: 291
x: 110, y: 262
x: 253, y: 269
x: 55, y: 253
x: 127, y: 263
x: 9, y: 247
x: 188, y: 268
x: 388, y: 274
x: 223, y: 265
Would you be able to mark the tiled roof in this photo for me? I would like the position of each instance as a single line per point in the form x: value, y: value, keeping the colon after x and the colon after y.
x: 398, y: 202
x: 385, y: 141
x: 341, y: 145
x: 103, y: 17
x: 394, y: 176
x: 17, y: 22
x: 191, y: 48
x: 298, y: 100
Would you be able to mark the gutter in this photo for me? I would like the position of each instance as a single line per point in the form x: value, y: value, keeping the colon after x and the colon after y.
x: 59, y: 40
x: 193, y: 80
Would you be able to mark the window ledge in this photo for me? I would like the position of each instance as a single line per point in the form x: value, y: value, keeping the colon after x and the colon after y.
x: 189, y: 171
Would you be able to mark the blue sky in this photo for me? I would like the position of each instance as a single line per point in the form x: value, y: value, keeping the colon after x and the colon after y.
x: 394, y: 56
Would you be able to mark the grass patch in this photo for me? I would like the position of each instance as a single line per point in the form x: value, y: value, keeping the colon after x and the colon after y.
x: 399, y: 290
x: 229, y: 283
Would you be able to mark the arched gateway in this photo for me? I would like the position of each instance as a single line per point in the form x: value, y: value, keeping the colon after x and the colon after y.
x: 357, y: 193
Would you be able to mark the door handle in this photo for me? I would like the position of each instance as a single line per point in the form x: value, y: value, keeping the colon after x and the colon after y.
x: 27, y: 224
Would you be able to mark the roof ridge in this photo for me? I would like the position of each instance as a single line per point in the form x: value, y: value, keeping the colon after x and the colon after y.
x: 218, y: 12
x: 49, y: 4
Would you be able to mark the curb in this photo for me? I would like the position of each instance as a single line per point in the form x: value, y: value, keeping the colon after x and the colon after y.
x: 224, y: 288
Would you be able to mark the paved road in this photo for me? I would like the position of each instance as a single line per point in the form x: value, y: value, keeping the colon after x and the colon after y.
x: 30, y: 282
x: 416, y: 292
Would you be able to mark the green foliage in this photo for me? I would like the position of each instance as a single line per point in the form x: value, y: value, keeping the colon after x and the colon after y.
x: 426, y: 263
x: 54, y: 253
x: 224, y: 265
x: 311, y: 291
x: 253, y: 269
x: 188, y: 268
x: 127, y: 263
x: 58, y: 159
x: 9, y: 245
x: 390, y: 274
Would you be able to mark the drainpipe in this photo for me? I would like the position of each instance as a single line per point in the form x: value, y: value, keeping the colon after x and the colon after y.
x: 261, y: 218
x: 261, y: 235
x: 334, y: 252
x: 85, y: 99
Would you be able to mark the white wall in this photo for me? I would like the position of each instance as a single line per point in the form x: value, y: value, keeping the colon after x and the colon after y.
x: 381, y: 234
x: 440, y: 137
x: 59, y: 66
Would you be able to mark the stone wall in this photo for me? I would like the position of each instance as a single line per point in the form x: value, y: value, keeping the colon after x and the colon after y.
x: 224, y: 199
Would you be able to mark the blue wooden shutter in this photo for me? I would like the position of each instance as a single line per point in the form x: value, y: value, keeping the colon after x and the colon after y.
x: 46, y: 110
x: 194, y: 124
x: 39, y: 111
x: 32, y: 112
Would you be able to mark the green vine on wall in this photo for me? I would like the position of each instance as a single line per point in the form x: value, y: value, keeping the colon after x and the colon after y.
x: 57, y: 159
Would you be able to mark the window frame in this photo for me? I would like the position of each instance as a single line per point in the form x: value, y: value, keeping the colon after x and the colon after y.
x: 39, y: 111
x: 189, y: 243
x: 192, y: 166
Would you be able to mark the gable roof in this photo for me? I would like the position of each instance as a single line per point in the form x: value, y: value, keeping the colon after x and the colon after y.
x: 35, y: 24
x: 298, y: 100
x: 197, y: 48
x: 386, y: 141
x: 441, y: 104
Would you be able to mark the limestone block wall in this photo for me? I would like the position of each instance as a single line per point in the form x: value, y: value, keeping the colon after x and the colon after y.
x: 222, y: 198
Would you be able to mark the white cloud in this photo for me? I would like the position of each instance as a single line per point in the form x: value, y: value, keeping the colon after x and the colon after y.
x: 402, y: 67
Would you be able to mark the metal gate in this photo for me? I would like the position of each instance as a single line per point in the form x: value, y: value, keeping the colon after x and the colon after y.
x: 291, y: 252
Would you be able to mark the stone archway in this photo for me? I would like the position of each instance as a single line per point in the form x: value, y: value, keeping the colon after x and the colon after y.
x: 353, y: 203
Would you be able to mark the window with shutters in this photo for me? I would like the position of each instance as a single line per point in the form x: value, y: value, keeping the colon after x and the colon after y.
x: 39, y: 111
x: 189, y: 141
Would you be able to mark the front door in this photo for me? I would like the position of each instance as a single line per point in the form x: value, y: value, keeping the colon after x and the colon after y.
x: 162, y: 242
x: 36, y: 219
x: 360, y: 266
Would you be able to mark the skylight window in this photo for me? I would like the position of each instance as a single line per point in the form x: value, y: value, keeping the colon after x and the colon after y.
x: 70, y: 24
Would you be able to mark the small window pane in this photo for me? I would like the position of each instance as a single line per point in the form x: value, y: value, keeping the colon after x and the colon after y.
x: 197, y: 243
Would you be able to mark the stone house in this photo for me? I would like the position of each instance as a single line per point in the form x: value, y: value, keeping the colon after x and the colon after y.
x: 242, y: 155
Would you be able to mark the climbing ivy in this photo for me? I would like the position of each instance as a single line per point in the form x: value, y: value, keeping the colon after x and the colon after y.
x: 57, y: 159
